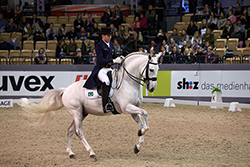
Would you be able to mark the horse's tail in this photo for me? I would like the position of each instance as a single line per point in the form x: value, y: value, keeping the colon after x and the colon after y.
x: 43, y: 111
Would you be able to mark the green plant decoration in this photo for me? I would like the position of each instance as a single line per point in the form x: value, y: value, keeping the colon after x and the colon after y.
x: 216, y: 89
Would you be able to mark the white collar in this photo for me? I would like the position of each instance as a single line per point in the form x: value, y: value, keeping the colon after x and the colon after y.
x: 106, y: 43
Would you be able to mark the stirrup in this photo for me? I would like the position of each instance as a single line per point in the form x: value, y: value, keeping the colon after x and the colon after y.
x: 108, y: 108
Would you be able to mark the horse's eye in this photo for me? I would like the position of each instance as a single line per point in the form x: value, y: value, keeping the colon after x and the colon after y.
x: 151, y: 70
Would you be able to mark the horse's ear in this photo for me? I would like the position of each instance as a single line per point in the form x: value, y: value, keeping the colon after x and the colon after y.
x: 149, y: 57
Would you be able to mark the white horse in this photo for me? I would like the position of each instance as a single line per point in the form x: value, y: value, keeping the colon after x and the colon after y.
x: 127, y: 98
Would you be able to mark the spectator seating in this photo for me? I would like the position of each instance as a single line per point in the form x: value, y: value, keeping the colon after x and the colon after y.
x: 220, y: 43
x: 52, y: 19
x: 43, y: 19
x: 248, y: 42
x: 79, y: 43
x: 5, y: 37
x: 4, y: 53
x: 3, y: 60
x: 217, y: 33
x: 28, y: 45
x: 179, y: 26
x: 97, y: 19
x: 168, y: 34
x: 232, y: 43
x: 14, y: 53
x: 130, y: 19
x: 68, y: 27
x: 72, y: 19
x: 27, y: 53
x: 63, y: 20
x: 220, y: 51
x: 51, y: 56
x: 66, y: 61
x: 51, y: 44
x: 40, y: 44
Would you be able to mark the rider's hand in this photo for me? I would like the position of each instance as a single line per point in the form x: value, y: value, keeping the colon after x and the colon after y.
x: 118, y: 60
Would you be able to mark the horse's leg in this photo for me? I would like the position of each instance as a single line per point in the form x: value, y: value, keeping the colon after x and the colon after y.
x: 79, y: 133
x: 132, y: 109
x: 71, y: 131
x: 137, y: 118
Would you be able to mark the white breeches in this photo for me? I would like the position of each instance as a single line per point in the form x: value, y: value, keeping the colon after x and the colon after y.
x: 102, y: 75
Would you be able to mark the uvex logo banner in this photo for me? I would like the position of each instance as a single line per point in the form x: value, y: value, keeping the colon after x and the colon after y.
x: 36, y: 83
x: 201, y: 83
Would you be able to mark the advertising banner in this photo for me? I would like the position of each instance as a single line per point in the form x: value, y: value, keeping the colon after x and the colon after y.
x: 36, y: 83
x: 201, y: 83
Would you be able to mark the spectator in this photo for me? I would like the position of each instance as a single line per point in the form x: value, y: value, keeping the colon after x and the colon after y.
x: 89, y: 23
x: 194, y: 47
x: 93, y: 57
x: 210, y: 58
x: 222, y: 21
x: 133, y: 32
x: 164, y: 43
x: 2, y: 24
x: 191, y: 29
x: 152, y: 47
x: 140, y: 50
x: 245, y: 18
x: 117, y: 16
x: 122, y: 31
x: 150, y: 15
x: 200, y: 57
x: 61, y: 49
x: 27, y: 33
x: 232, y: 17
x: 127, y: 42
x: 41, y: 57
x: 162, y: 57
x: 186, y: 55
x: 86, y: 51
x: 207, y: 44
x: 230, y: 8
x: 117, y: 47
x: 218, y: 9
x: 36, y: 20
x: 78, y: 23
x: 61, y: 33
x: 22, y: 24
x: 18, y: 14
x: 184, y: 46
x: 160, y: 37
x: 72, y: 33
x: 196, y: 38
x: 113, y: 29
x: 11, y: 26
x: 175, y: 56
x: 14, y: 41
x: 50, y: 32
x: 8, y: 13
x: 95, y: 32
x: 183, y: 37
x: 117, y: 37
x: 107, y: 17
x: 175, y: 36
x: 83, y: 35
x: 203, y: 27
x: 135, y: 23
x: 38, y: 33
x: 212, y: 21
x: 239, y: 32
x: 238, y: 10
x: 172, y: 44
x: 143, y: 23
x: 71, y: 50
x: 228, y: 30
x: 139, y: 10
x: 208, y: 37
x: 206, y: 11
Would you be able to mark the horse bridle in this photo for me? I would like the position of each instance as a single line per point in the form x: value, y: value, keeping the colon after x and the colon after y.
x: 136, y: 79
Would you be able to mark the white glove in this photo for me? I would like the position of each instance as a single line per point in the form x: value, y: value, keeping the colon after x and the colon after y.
x: 118, y: 60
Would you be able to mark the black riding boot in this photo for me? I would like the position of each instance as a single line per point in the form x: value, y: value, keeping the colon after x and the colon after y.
x: 107, y: 106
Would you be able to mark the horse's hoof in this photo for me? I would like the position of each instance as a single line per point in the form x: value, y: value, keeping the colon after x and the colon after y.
x: 140, y: 133
x: 72, y: 156
x: 93, y: 157
x: 136, y: 150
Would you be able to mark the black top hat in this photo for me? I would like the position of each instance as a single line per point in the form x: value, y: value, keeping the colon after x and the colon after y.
x: 106, y: 30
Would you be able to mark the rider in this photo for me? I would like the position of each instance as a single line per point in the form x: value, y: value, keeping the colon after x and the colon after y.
x: 106, y: 57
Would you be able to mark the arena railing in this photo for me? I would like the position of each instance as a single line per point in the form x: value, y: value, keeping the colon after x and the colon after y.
x: 233, y: 59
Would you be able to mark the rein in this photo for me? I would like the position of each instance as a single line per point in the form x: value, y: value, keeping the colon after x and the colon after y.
x: 136, y: 79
